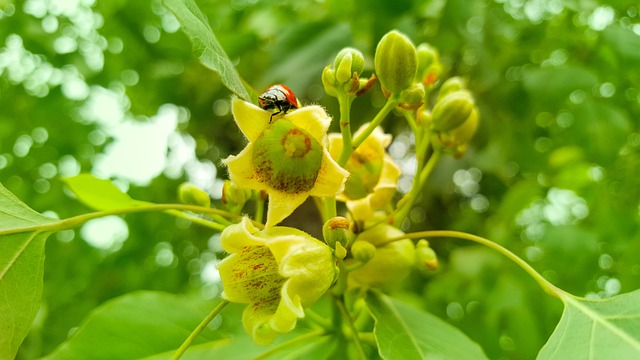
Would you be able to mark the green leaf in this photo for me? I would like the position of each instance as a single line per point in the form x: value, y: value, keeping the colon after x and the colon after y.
x: 138, y: 325
x: 22, y: 238
x: 596, y: 329
x: 100, y: 194
x: 205, y: 44
x: 405, y: 332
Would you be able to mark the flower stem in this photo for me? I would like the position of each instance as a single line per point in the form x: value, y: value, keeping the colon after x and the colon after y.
x: 548, y: 287
x: 407, y: 201
x: 354, y: 332
x: 345, y: 127
x: 386, y: 109
x: 197, y: 220
x: 194, y: 334
x: 330, y: 210
x: 73, y: 222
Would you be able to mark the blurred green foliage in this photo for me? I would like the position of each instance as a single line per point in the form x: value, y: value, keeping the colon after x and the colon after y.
x: 552, y: 175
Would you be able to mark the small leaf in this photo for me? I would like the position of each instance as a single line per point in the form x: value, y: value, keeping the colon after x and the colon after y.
x: 405, y: 332
x: 100, y: 194
x: 205, y: 44
x: 596, y: 329
x: 137, y: 325
x: 22, y: 237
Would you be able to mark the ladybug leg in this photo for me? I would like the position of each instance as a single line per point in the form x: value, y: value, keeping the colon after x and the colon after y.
x: 276, y: 113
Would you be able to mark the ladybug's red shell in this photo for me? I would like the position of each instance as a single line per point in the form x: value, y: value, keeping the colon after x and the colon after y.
x: 280, y: 98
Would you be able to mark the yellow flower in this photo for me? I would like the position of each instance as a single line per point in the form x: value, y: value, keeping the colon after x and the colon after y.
x: 277, y: 271
x: 373, y: 176
x: 287, y: 157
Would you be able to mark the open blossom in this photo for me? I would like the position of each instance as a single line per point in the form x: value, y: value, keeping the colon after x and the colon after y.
x: 373, y: 176
x: 278, y: 272
x: 287, y: 158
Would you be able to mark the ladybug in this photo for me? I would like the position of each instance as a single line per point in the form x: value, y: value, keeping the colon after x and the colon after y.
x: 278, y: 97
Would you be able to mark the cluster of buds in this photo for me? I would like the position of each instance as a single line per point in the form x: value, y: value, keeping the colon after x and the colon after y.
x: 344, y: 76
x: 409, y: 73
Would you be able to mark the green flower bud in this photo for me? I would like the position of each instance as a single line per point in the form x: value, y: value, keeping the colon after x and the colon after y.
x: 329, y: 81
x: 423, y: 117
x: 452, y: 110
x: 462, y: 134
x: 428, y: 64
x: 396, y: 62
x: 425, y: 256
x: 452, y: 84
x: 336, y: 230
x: 191, y: 194
x: 348, y: 61
x: 413, y: 97
x: 234, y: 196
x: 363, y: 251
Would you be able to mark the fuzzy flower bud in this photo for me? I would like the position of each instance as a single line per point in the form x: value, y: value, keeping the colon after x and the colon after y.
x: 363, y: 251
x: 452, y: 110
x: 233, y: 196
x: 191, y: 194
x: 278, y: 272
x: 459, y: 137
x: 396, y: 62
x: 413, y: 97
x: 337, y: 230
x: 329, y: 81
x: 349, y: 61
x: 425, y: 256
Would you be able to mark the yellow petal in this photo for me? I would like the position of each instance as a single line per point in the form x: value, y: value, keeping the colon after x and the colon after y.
x: 255, y: 319
x: 331, y: 177
x: 240, y: 235
x: 251, y: 119
x: 389, y: 174
x: 241, y: 170
x: 361, y: 208
x: 282, y: 205
x: 288, y: 312
x: 335, y: 145
x: 313, y: 119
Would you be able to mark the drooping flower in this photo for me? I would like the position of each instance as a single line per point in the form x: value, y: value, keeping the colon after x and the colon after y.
x: 278, y: 272
x: 287, y: 158
x: 373, y: 176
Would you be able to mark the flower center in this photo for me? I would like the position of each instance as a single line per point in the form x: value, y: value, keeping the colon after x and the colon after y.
x: 296, y: 143
x: 287, y: 158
